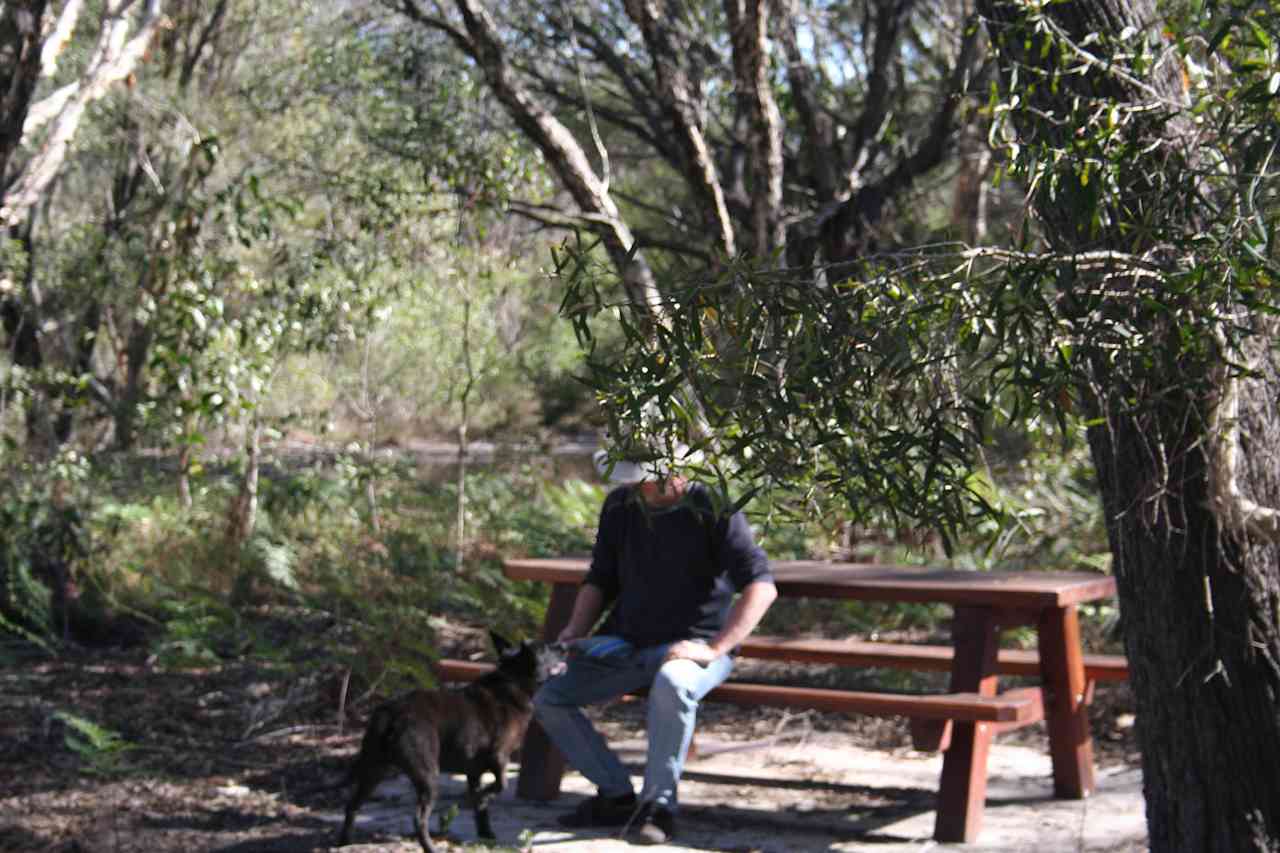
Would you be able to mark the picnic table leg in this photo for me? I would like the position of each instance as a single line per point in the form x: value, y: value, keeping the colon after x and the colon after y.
x: 962, y: 793
x: 541, y: 764
x: 1066, y: 710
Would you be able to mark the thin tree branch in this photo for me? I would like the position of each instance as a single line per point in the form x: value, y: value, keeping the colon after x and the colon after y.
x: 675, y: 90
x: 564, y: 155
x: 842, y: 226
x: 747, y: 32
x: 818, y: 128
x: 1234, y: 510
x: 59, y: 36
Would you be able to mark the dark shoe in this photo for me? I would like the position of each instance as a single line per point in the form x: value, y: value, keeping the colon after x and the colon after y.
x: 657, y: 826
x: 600, y: 811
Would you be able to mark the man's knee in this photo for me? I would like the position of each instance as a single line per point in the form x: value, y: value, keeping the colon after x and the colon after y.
x: 548, y: 700
x: 559, y: 694
x: 673, y: 686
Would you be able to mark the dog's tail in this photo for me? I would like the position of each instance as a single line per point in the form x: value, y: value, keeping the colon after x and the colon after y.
x: 373, y: 748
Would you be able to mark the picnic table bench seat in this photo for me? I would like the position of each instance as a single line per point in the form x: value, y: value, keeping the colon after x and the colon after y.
x: 1013, y: 709
x: 930, y: 658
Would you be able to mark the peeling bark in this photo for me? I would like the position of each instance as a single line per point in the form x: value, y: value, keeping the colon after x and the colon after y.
x: 564, y: 155
x: 1228, y: 494
x: 678, y: 98
x: 747, y: 25
x: 113, y: 59
x: 21, y: 36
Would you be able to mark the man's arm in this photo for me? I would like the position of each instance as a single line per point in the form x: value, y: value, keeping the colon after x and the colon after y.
x: 586, y: 610
x: 744, y: 616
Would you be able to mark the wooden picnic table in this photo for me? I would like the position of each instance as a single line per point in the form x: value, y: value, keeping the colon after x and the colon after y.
x: 984, y: 604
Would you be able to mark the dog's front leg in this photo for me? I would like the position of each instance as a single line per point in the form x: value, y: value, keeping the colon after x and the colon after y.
x: 479, y: 798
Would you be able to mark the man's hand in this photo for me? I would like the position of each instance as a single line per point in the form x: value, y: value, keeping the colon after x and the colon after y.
x: 586, y: 608
x: 569, y: 634
x: 699, y: 653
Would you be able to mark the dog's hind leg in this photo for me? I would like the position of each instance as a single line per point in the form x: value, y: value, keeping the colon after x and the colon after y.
x: 426, y: 788
x: 365, y: 785
x: 416, y: 752
x: 369, y: 767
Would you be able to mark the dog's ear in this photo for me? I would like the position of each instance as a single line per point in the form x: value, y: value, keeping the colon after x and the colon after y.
x: 500, y: 643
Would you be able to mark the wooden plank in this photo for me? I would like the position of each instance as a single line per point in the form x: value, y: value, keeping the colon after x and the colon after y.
x: 935, y: 735
x: 962, y: 791
x: 942, y: 706
x: 1035, y: 695
x: 927, y: 658
x: 849, y: 653
x: 449, y: 669
x: 875, y: 582
x: 1030, y: 590
x: 1070, y: 741
x: 1096, y: 667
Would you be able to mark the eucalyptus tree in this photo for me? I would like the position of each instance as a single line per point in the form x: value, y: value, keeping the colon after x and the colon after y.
x: 683, y: 135
x: 1138, y: 304
x: 182, y: 238
x: 56, y: 59
x: 471, y: 320
x: 1149, y: 137
x: 34, y: 35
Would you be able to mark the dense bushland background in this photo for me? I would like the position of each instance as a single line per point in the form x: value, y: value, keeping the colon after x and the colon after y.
x: 289, y: 365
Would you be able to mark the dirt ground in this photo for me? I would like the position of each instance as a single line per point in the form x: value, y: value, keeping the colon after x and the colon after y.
x: 815, y: 792
x: 227, y: 759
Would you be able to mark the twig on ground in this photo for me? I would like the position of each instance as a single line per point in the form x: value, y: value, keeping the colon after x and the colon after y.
x: 289, y: 730
x: 805, y: 717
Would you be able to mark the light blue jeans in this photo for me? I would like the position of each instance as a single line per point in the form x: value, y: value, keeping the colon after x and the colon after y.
x: 675, y: 689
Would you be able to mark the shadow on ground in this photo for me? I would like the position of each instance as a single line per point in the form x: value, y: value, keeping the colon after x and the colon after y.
x: 811, y: 796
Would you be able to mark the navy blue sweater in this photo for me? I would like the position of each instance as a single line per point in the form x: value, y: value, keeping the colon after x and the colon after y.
x: 671, y: 573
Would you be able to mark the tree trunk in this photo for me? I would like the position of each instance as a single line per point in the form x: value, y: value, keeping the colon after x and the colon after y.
x: 1199, y: 598
x: 970, y: 200
x: 244, y: 508
x: 679, y: 100
x: 748, y: 21
x: 22, y: 315
x: 21, y: 34
x: 184, y: 478
x: 113, y: 59
x: 481, y: 41
x: 133, y: 394
x: 1200, y: 627
x: 464, y: 402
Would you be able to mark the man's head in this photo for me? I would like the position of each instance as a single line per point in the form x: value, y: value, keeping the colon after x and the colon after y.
x: 619, y: 472
x: 619, y: 464
x: 653, y: 479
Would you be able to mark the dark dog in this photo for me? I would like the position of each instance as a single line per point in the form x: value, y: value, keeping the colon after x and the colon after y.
x: 471, y: 730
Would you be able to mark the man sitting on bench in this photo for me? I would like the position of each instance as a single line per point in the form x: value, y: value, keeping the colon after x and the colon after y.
x: 670, y: 566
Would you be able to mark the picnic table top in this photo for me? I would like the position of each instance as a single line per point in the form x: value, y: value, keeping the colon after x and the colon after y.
x: 879, y: 582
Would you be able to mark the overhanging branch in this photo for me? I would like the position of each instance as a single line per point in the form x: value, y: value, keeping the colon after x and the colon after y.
x: 1235, y: 511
